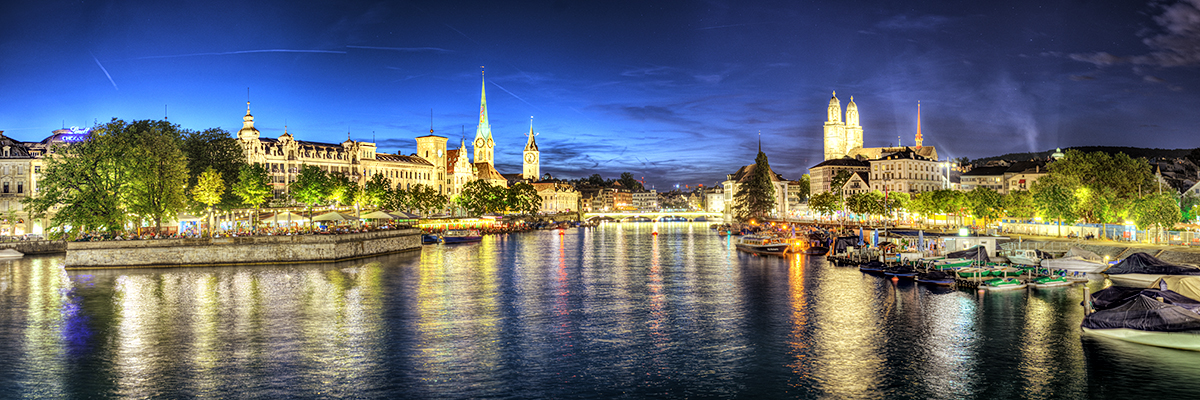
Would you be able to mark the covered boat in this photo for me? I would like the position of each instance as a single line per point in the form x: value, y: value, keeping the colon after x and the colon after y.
x: 1151, y: 317
x: 842, y: 244
x: 977, y: 254
x: 1026, y: 256
x: 10, y: 254
x: 872, y: 267
x: 1142, y: 270
x: 935, y: 277
x: 1077, y: 260
x: 461, y: 236
x: 1188, y: 286
x: 902, y: 271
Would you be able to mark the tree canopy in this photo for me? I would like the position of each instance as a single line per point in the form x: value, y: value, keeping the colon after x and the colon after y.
x: 755, y: 198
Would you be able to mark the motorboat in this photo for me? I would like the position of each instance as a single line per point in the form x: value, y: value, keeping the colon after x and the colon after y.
x: 874, y: 267
x: 901, y: 271
x: 1049, y: 282
x: 935, y: 277
x: 1075, y: 263
x: 1025, y: 256
x: 951, y: 263
x: 454, y: 236
x: 1142, y: 270
x: 10, y: 254
x: 1002, y: 284
x: 1151, y: 317
x: 1135, y: 280
x: 759, y: 244
x: 429, y: 238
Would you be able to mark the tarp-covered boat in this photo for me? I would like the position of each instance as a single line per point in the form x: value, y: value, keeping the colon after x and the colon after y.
x: 936, y: 277
x: 1151, y: 317
x: 977, y: 253
x: 842, y: 243
x: 1188, y: 286
x: 873, y: 266
x: 1142, y: 263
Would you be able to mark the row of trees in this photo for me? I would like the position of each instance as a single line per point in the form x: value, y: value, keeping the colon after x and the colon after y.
x: 1089, y: 187
x: 148, y: 171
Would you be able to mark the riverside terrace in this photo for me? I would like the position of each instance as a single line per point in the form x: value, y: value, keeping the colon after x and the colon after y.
x: 238, y: 250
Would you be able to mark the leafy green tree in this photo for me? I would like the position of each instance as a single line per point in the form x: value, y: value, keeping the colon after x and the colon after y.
x: 253, y: 186
x: 923, y: 204
x: 1054, y: 199
x: 839, y: 180
x: 805, y: 188
x: 311, y: 187
x: 1158, y: 210
x: 87, y: 183
x: 596, y: 180
x: 480, y: 197
x: 629, y: 182
x: 340, y: 189
x: 896, y: 202
x: 523, y: 198
x: 376, y: 190
x: 1019, y: 204
x: 422, y: 198
x: 157, y: 168
x: 825, y: 202
x: 755, y: 198
x: 984, y: 203
x: 1104, y: 186
x: 1189, y: 205
x: 208, y: 191
x: 217, y: 149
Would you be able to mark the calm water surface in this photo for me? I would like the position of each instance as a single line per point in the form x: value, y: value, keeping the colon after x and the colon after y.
x: 609, y: 312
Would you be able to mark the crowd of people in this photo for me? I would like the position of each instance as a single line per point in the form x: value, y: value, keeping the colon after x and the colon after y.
x: 242, y: 232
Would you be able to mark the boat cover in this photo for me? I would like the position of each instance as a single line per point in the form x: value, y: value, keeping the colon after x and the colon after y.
x: 1081, y: 253
x: 936, y: 275
x: 1115, y: 296
x: 976, y: 253
x: 1142, y: 263
x: 872, y: 266
x: 1144, y: 313
x: 840, y: 245
x: 1185, y: 285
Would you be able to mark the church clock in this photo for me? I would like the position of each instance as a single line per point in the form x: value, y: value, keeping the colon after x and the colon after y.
x: 530, y: 158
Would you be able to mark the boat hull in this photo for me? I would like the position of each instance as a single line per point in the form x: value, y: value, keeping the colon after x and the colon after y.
x: 771, y: 249
x: 1174, y: 340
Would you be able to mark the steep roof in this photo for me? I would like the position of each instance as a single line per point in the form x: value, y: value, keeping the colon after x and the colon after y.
x: 487, y: 171
x: 743, y: 174
x: 401, y: 159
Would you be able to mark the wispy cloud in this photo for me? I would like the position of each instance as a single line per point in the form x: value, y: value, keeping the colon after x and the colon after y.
x: 405, y: 49
x: 225, y: 53
x: 907, y: 23
x: 514, y: 95
x: 1176, y: 45
x: 110, y: 79
x: 460, y: 33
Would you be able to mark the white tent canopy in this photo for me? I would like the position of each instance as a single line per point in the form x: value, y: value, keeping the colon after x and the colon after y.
x: 377, y: 215
x: 334, y: 216
x: 284, y: 217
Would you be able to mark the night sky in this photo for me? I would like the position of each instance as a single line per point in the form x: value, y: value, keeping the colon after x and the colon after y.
x: 676, y: 92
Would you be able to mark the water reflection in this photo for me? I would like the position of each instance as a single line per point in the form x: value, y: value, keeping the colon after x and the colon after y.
x: 609, y: 312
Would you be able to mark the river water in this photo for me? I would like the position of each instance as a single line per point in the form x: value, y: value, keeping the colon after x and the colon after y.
x: 607, y: 312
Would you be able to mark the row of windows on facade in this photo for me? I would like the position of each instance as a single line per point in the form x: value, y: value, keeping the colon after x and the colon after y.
x: 892, y: 175
x: 321, y: 154
x: 277, y: 168
x: 909, y: 167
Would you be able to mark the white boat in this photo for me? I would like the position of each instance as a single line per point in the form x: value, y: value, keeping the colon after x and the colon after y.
x: 10, y: 254
x: 1174, y: 340
x: 1075, y: 263
x: 1135, y: 280
x: 1023, y: 256
x: 1049, y: 282
x: 758, y: 244
x: 1002, y: 284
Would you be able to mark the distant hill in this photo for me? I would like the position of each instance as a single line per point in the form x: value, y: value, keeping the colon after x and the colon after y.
x: 1135, y: 152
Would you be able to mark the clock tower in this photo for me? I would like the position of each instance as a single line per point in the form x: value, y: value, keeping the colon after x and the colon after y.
x: 483, y: 143
x: 531, y: 170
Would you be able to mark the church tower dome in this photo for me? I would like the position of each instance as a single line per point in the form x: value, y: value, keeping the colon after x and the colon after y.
x: 851, y: 112
x: 835, y: 109
x: 248, y: 132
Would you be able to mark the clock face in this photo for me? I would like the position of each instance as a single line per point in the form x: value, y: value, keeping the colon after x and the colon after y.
x: 479, y: 142
x: 489, y: 143
x: 530, y: 158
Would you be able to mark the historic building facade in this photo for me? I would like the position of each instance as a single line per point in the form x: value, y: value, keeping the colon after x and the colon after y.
x: 842, y: 136
x: 905, y: 171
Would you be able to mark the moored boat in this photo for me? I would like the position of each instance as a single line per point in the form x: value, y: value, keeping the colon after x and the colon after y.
x: 935, y: 278
x: 1049, y: 282
x: 901, y: 271
x: 1152, y: 317
x: 1002, y: 284
x: 10, y: 254
x: 461, y: 236
x: 1025, y: 256
x: 758, y: 244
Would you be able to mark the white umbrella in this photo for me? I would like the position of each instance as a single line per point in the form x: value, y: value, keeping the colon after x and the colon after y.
x: 334, y: 216
x: 378, y: 215
x: 285, y: 217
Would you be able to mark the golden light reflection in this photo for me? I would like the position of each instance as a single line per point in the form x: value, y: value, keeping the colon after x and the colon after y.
x: 798, y: 342
x: 847, y: 339
x: 1049, y: 368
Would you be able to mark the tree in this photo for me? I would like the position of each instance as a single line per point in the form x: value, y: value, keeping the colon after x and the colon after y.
x: 340, y: 189
x: 805, y: 188
x: 157, y: 169
x: 523, y: 198
x: 208, y: 191
x: 1054, y: 199
x: 825, y: 202
x: 896, y: 202
x: 421, y: 198
x: 924, y: 204
x: 1189, y: 205
x: 755, y: 196
x: 311, y: 187
x: 253, y: 186
x: 627, y: 181
x: 596, y: 180
x: 376, y: 190
x: 839, y: 180
x: 1155, y: 210
x: 984, y: 203
x: 87, y: 181
x: 480, y: 197
x: 217, y: 149
x: 1019, y: 204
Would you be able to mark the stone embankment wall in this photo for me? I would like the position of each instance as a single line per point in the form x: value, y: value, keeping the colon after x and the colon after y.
x: 36, y: 246
x: 238, y: 250
x: 1116, y: 251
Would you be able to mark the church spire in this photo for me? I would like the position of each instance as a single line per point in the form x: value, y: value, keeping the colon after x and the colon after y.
x: 484, y: 144
x: 531, y: 145
x: 919, y: 137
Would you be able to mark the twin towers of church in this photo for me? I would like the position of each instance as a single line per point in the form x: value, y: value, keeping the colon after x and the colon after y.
x: 842, y: 137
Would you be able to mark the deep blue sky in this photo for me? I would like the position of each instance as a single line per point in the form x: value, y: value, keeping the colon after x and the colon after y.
x: 673, y: 91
